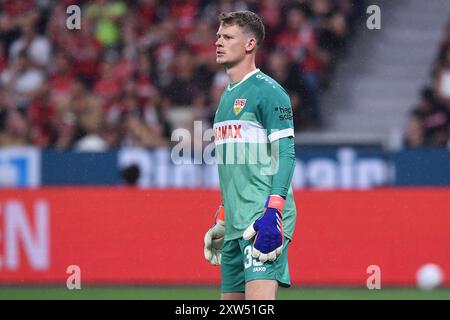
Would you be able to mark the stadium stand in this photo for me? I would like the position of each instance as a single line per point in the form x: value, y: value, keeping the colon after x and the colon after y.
x: 429, y: 120
x: 138, y: 69
x: 376, y: 84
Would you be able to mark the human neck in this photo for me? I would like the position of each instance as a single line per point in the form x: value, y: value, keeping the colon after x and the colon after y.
x: 237, y: 72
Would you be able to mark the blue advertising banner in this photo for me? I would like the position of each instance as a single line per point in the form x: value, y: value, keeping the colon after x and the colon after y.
x: 424, y: 167
x: 20, y: 167
x: 316, y: 168
x: 79, y: 168
x: 342, y: 168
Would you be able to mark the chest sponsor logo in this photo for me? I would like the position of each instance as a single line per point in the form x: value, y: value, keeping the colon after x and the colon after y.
x: 239, y: 104
x: 227, y: 131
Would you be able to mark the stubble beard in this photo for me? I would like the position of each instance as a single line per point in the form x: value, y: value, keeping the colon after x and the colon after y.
x: 228, y: 64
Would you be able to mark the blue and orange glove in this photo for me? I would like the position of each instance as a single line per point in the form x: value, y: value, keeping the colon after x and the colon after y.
x: 214, y: 238
x: 268, y: 244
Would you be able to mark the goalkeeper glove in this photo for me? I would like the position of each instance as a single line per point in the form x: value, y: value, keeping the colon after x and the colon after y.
x: 214, y: 238
x: 268, y: 229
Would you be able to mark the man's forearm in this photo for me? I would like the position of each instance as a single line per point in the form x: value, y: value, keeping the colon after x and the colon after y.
x: 286, y: 164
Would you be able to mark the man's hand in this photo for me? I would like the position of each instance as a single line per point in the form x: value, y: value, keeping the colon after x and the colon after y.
x: 268, y: 244
x: 214, y: 238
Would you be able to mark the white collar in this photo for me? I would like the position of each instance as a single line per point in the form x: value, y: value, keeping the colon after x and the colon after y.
x: 248, y: 75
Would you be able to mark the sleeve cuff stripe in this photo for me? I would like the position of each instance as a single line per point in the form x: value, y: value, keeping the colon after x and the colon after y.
x: 289, y: 132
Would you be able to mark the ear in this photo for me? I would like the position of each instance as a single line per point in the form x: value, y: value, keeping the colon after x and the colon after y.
x: 250, y: 45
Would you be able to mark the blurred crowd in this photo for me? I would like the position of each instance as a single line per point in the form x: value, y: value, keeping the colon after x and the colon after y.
x: 134, y: 68
x: 429, y: 121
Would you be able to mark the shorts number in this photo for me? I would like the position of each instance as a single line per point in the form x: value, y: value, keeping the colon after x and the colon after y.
x: 249, y: 260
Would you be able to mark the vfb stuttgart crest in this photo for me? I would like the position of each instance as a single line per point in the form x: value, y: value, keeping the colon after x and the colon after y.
x: 239, y: 104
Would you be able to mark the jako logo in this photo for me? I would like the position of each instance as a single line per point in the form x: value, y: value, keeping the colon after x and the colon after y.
x: 20, y: 233
x: 348, y: 172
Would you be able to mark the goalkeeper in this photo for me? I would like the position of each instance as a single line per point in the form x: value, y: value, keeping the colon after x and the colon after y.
x: 253, y: 134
